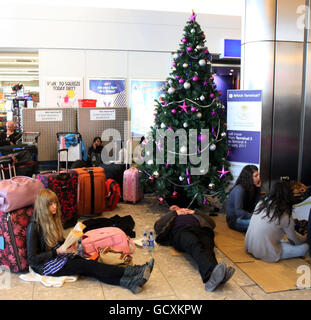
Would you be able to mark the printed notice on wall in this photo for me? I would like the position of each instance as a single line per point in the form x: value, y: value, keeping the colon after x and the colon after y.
x: 49, y: 115
x: 244, y: 109
x: 103, y: 114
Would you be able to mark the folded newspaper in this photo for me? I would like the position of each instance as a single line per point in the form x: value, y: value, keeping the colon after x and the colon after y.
x: 74, y: 235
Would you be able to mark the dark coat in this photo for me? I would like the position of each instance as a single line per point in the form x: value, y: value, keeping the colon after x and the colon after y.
x: 164, y: 225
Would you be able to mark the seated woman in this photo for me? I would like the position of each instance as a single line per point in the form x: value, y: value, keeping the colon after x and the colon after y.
x: 94, y: 152
x: 272, y: 219
x: 192, y: 232
x: 47, y: 257
x: 10, y: 136
x: 243, y: 198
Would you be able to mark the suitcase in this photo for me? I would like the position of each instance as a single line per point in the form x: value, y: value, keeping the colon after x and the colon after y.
x: 113, y: 194
x: 91, y: 191
x: 13, y: 230
x: 65, y: 185
x: 71, y: 141
x: 6, y: 167
x: 132, y: 190
x: 115, y: 171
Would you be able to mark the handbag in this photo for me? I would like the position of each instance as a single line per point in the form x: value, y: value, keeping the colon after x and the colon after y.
x: 116, y: 258
x: 18, y: 192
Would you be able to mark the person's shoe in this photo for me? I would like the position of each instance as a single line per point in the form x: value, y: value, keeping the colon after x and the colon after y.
x: 135, y: 277
x: 138, y: 268
x: 229, y: 273
x: 216, y: 277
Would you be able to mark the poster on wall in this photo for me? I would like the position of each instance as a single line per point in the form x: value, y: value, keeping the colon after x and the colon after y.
x: 107, y: 92
x: 244, y: 109
x: 63, y: 93
x: 142, y: 104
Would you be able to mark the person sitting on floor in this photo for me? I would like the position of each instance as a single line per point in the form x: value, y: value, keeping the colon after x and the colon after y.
x: 272, y: 219
x: 243, y: 198
x: 47, y: 257
x: 188, y: 231
x: 94, y: 152
x: 10, y: 136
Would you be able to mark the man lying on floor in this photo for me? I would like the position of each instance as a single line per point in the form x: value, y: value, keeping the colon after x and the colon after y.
x: 189, y: 231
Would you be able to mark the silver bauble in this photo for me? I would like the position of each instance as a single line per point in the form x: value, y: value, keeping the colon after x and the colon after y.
x: 212, y: 147
x: 181, y: 178
x: 171, y: 90
x: 223, y: 134
x: 202, y: 62
x: 187, y: 85
x: 156, y: 174
x: 192, y: 30
x: 199, y: 115
x: 150, y: 162
x: 202, y: 98
x: 183, y: 149
x: 163, y: 126
x: 211, y: 186
x: 170, y: 82
x: 185, y: 65
x: 185, y: 125
x: 175, y: 56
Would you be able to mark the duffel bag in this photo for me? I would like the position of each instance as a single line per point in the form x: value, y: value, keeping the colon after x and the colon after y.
x: 112, y: 237
x: 18, y: 192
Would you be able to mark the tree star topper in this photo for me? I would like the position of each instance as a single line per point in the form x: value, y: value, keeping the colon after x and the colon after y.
x: 223, y: 172
x: 192, y: 18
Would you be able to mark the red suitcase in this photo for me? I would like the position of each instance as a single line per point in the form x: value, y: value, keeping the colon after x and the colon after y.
x: 132, y: 190
x: 13, y: 230
x: 65, y: 185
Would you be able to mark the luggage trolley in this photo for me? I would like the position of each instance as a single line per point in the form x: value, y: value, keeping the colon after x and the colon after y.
x: 71, y: 141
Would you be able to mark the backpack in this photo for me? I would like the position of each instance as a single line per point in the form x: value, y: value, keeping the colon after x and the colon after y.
x: 94, y: 240
x: 113, y: 194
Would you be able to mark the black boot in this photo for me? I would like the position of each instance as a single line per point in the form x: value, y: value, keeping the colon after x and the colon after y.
x: 135, y: 277
x: 138, y: 269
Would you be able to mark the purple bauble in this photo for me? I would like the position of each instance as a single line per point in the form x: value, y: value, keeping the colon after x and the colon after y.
x: 177, y: 77
x: 173, y: 111
x: 174, y: 64
x: 189, y: 49
x: 195, y: 78
x: 184, y: 40
x: 212, y: 95
x: 181, y: 81
x: 193, y: 109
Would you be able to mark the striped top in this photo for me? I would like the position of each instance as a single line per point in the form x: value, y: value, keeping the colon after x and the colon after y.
x: 55, y: 264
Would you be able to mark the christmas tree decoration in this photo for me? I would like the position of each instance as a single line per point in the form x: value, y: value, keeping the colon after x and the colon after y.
x: 196, y: 122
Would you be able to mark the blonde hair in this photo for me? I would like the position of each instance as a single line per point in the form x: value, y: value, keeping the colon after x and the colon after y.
x: 50, y: 223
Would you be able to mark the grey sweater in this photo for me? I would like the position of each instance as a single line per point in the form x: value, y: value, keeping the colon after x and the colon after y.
x: 238, y: 205
x: 263, y: 238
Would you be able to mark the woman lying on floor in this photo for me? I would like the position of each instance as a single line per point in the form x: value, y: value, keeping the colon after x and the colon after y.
x: 191, y: 232
x: 47, y: 257
x: 272, y: 219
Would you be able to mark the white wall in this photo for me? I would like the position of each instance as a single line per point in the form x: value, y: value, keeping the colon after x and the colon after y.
x: 87, y: 42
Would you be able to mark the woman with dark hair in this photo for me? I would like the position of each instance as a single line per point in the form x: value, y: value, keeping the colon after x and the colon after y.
x: 243, y: 198
x: 94, y: 152
x: 272, y: 219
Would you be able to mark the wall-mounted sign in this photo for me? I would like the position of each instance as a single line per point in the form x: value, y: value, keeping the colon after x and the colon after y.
x: 142, y: 104
x: 49, y: 115
x: 244, y: 109
x: 103, y: 114
x: 63, y: 93
x: 107, y: 92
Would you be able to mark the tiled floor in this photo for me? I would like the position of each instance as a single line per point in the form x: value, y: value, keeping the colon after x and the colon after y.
x: 173, y: 277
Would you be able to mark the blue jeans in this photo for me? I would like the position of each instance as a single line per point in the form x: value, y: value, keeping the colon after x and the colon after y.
x: 241, y: 224
x: 293, y: 251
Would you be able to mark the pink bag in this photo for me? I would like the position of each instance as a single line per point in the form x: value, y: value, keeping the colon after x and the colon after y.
x: 112, y: 237
x: 132, y: 191
x: 18, y: 192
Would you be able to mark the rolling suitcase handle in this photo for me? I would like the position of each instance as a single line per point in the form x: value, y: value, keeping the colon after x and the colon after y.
x: 58, y: 160
x: 7, y: 161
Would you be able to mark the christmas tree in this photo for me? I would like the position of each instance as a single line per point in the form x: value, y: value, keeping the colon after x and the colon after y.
x: 185, y: 155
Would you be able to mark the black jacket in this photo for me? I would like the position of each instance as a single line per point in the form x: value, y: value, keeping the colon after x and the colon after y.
x: 163, y: 226
x: 37, y: 251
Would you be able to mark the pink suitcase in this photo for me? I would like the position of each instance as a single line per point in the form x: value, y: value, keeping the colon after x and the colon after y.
x: 132, y: 190
x: 13, y: 230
